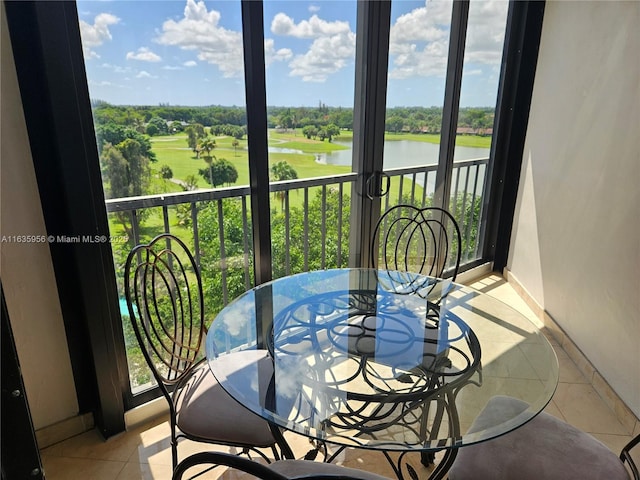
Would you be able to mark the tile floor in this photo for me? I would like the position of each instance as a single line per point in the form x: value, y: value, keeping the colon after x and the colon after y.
x: 144, y: 453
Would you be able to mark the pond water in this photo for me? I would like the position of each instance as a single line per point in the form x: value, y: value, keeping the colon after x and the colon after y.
x: 406, y: 153
x: 283, y: 150
x: 403, y: 153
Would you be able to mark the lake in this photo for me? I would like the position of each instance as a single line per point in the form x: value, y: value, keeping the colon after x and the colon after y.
x: 404, y: 153
x: 407, y: 153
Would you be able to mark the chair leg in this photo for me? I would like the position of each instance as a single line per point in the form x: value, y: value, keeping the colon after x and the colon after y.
x: 174, y: 453
x: 174, y: 445
x: 285, y: 449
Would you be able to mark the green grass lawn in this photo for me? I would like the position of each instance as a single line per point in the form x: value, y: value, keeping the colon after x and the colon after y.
x: 296, y: 140
x: 172, y: 150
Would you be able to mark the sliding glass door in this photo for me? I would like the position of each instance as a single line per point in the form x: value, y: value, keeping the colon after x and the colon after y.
x: 270, y: 136
x: 443, y: 73
x: 167, y: 87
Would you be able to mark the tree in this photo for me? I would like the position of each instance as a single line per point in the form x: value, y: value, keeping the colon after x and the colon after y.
x: 115, y: 134
x: 160, y: 124
x: 285, y: 120
x: 166, y: 172
x: 323, y: 220
x: 232, y: 270
x: 394, y: 123
x: 207, y: 144
x: 190, y: 183
x: 310, y: 131
x: 176, y: 127
x: 235, y: 144
x: 139, y: 170
x: 279, y: 172
x: 114, y: 171
x: 332, y: 131
x: 151, y: 130
x: 283, y: 171
x: 219, y: 172
x: 195, y: 132
x: 127, y: 173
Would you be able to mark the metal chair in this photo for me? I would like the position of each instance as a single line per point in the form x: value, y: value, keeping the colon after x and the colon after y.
x: 425, y: 241
x: 280, y: 470
x: 418, y: 240
x: 546, y: 448
x: 165, y: 301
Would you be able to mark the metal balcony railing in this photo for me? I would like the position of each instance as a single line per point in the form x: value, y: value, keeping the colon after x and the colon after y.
x: 310, y: 228
x: 408, y: 185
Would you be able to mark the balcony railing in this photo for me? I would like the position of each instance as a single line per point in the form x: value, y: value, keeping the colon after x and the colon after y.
x: 310, y: 228
x: 413, y: 185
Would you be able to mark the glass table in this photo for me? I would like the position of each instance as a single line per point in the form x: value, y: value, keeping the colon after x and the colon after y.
x: 382, y: 360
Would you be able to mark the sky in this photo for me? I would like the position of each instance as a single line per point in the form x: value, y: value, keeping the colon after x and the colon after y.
x: 189, y: 52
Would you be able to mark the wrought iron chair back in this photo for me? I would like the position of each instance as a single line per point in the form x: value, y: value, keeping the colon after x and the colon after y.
x: 419, y: 240
x: 409, y: 240
x: 164, y: 296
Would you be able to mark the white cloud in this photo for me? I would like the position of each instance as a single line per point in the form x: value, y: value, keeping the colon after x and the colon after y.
x: 106, y: 83
x: 145, y: 74
x: 419, y: 39
x: 332, y: 49
x: 199, y: 30
x: 96, y: 34
x: 271, y: 54
x: 314, y: 8
x: 315, y: 27
x: 172, y: 67
x: 144, y: 55
x: 429, y: 23
x: 190, y: 63
x: 485, y: 37
x: 116, y: 68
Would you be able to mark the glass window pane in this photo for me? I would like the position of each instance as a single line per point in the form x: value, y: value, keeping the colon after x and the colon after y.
x: 310, y: 53
x: 418, y: 50
x: 167, y: 90
x: 478, y: 97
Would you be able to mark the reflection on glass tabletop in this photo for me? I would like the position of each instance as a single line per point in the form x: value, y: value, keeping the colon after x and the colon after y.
x: 379, y: 359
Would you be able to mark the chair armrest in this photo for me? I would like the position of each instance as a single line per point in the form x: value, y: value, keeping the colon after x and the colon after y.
x: 625, y: 456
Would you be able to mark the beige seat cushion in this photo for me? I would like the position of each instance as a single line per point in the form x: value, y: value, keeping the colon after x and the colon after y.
x: 206, y: 411
x: 299, y: 469
x: 544, y: 449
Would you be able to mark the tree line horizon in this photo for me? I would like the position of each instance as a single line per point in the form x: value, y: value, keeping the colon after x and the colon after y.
x: 146, y: 119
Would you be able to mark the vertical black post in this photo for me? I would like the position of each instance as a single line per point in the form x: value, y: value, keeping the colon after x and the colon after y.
x: 519, y: 60
x: 256, y: 97
x: 372, y: 58
x: 459, y: 17
x: 20, y: 455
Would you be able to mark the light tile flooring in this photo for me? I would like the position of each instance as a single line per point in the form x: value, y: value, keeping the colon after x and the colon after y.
x: 144, y: 452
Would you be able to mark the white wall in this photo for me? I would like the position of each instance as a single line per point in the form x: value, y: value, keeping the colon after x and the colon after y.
x: 25, y: 268
x: 576, y: 238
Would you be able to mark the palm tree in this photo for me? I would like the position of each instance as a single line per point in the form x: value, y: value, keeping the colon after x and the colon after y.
x: 279, y: 172
x: 207, y: 144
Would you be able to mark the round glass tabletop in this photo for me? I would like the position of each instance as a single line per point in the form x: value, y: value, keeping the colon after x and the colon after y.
x: 379, y: 359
